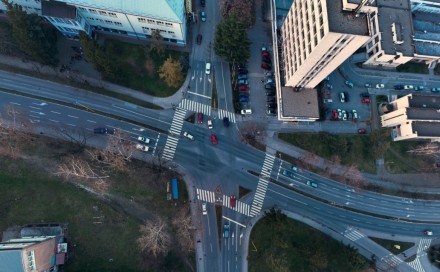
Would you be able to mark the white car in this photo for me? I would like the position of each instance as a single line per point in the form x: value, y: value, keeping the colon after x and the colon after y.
x: 143, y: 139
x: 189, y: 136
x: 209, y: 123
x: 246, y: 111
x: 408, y: 87
x: 204, y: 210
x: 142, y: 147
x: 208, y: 68
x: 355, y: 115
x: 380, y: 86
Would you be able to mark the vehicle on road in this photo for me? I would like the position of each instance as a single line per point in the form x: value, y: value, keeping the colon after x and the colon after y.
x: 365, y: 100
x: 204, y: 210
x: 208, y: 68
x: 419, y: 88
x: 349, y: 83
x: 189, y: 136
x: 368, y: 85
x: 327, y: 100
x: 380, y: 86
x: 199, y: 39
x: 287, y: 173
x: 200, y: 118
x: 269, y: 81
x: 398, y: 87
x: 313, y: 184
x: 214, y: 139
x: 408, y: 87
x: 243, y: 82
x: 243, y: 88
x: 243, y: 76
x: 105, y: 131
x: 209, y: 123
x: 270, y: 93
x: 142, y: 147
x: 268, y: 74
x: 266, y: 66
x: 203, y: 16
x: 226, y: 121
x: 143, y: 139
x: 246, y: 111
x: 294, y: 168
x: 342, y: 97
x: 362, y: 131
x: 244, y: 99
x: 265, y: 54
x: 269, y: 87
x: 233, y: 201
x: 226, y: 230
x: 435, y: 90
x: 428, y: 232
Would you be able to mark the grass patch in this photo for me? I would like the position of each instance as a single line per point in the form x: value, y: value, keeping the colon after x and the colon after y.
x: 389, y: 245
x: 214, y: 98
x: 278, y: 244
x: 399, y: 160
x: 344, y: 148
x: 139, y: 67
x: 413, y: 67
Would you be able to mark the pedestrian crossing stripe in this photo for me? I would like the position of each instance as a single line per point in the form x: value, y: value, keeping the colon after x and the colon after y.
x: 175, y: 129
x: 209, y: 196
x: 423, y: 245
x: 417, y: 265
x: 260, y: 192
x: 223, y: 113
x: 195, y: 106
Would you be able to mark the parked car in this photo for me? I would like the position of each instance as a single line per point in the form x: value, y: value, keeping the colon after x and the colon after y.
x: 105, y: 131
x: 268, y: 74
x: 244, y: 99
x: 428, y: 232
x: 208, y: 68
x: 263, y: 49
x: 435, y: 90
x: 368, y: 85
x: 398, y: 87
x: 340, y: 114
x: 355, y: 114
x: 269, y: 87
x: 269, y: 81
x: 365, y: 100
x: 200, y: 117
x: 189, y: 136
x: 313, y: 184
x: 199, y: 39
x: 209, y: 123
x: 243, y: 87
x: 287, y: 173
x: 266, y: 60
x: 349, y: 83
x: 143, y: 139
x: 365, y: 95
x: 214, y: 139
x: 142, y: 147
x: 246, y: 111
x: 244, y: 76
x: 270, y: 99
x: 271, y: 105
x: 226, y: 121
x: 408, y: 87
x: 202, y: 3
x: 204, y: 210
x: 335, y: 115
x: 362, y: 131
x: 266, y: 66
x: 271, y: 112
x: 419, y: 88
x: 349, y: 115
x: 270, y: 93
x: 243, y: 82
x: 342, y: 97
x: 203, y: 16
x: 242, y: 71
x: 265, y: 54
x: 344, y: 115
x: 233, y: 201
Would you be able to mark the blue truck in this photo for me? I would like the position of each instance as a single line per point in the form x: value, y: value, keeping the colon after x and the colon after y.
x: 175, y: 189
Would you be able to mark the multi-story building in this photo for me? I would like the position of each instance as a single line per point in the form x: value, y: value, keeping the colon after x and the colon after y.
x: 413, y: 117
x: 130, y: 18
x: 30, y: 6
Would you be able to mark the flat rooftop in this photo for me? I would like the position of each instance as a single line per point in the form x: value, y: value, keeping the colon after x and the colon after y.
x: 427, y: 129
x: 424, y: 101
x: 341, y: 21
x: 426, y: 33
x: 423, y: 114
x: 397, y: 13
x: 302, y: 104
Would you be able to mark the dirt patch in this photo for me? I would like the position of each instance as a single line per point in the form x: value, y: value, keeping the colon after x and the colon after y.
x: 150, y: 67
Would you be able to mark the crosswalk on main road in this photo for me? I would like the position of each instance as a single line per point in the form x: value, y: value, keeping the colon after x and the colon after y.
x: 392, y: 260
x: 204, y: 195
x: 353, y: 234
x: 417, y: 265
x: 224, y: 113
x: 423, y: 245
x: 240, y: 207
x: 175, y: 129
x: 195, y: 106
x: 263, y: 183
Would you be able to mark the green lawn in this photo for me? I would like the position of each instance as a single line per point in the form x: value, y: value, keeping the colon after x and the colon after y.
x: 413, y: 67
x: 294, y: 246
x: 351, y: 149
x: 32, y: 197
x: 399, y: 160
x: 390, y: 245
x: 139, y: 67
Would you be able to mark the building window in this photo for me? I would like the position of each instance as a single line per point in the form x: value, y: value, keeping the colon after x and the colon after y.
x: 171, y: 32
x: 83, y: 9
x: 142, y: 20
x: 108, y: 22
x: 91, y: 19
x: 169, y: 24
x: 151, y: 21
x: 100, y: 20
x: 31, y: 261
x: 93, y: 11
x: 159, y: 22
x: 162, y: 31
x: 112, y: 14
x: 145, y: 29
x: 103, y: 13
x: 118, y: 24
x: 37, y: 1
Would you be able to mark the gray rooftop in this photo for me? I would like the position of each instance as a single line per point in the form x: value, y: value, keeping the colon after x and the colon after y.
x: 10, y: 260
x: 423, y: 114
x: 396, y: 12
x: 341, y: 21
x: 427, y: 129
x: 58, y: 10
x: 300, y: 104
x: 424, y: 101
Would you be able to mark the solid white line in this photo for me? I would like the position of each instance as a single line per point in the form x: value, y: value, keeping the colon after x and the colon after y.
x: 229, y: 219
x: 55, y: 112
x: 72, y: 116
x: 91, y: 121
x: 205, y: 96
x: 143, y: 115
x: 32, y: 107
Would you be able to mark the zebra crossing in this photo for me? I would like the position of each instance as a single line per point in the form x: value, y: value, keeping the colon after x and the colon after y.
x: 417, y: 265
x: 392, y: 260
x: 176, y: 128
x: 353, y: 234
x: 224, y: 113
x: 423, y: 245
x: 209, y: 196
x: 195, y: 106
x: 263, y: 182
x: 240, y: 207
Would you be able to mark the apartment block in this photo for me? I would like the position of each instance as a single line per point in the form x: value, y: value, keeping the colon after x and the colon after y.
x: 414, y: 117
x: 129, y: 18
x: 317, y: 36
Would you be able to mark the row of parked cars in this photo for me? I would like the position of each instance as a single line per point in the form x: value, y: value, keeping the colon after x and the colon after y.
x: 402, y: 87
x: 338, y: 114
x: 269, y: 84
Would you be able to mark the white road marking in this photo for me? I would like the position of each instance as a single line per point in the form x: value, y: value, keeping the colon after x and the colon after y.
x: 91, y: 121
x: 55, y: 112
x: 72, y: 116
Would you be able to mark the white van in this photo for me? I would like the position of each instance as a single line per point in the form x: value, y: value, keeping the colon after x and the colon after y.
x: 246, y: 111
x: 208, y: 68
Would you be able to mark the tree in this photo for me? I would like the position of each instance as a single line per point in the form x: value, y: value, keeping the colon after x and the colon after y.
x: 171, y: 72
x: 231, y: 40
x: 31, y: 35
x: 155, y: 237
x: 157, y: 42
x: 242, y: 9
x: 429, y: 149
x: 182, y: 223
x: 380, y: 142
x: 80, y: 169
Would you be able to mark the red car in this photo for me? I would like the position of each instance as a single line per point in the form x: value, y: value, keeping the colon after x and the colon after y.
x: 266, y: 66
x: 265, y: 54
x: 362, y: 131
x: 233, y: 201
x: 199, y: 39
x: 200, y: 117
x: 243, y: 88
x: 365, y: 100
x: 214, y: 139
x: 335, y: 114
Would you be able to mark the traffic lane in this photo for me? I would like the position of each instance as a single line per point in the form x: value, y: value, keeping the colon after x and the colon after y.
x: 223, y: 86
x: 230, y: 244
x: 210, y: 238
x: 316, y: 210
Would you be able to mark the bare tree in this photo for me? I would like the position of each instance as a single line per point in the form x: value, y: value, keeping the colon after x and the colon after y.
x: 353, y: 177
x: 76, y: 136
x: 429, y: 149
x: 251, y: 132
x: 183, y: 224
x: 155, y: 237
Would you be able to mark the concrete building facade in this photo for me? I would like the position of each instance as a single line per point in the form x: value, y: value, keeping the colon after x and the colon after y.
x: 414, y: 117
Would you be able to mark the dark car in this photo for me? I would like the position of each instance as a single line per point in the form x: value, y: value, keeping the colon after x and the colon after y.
x: 271, y: 105
x: 226, y: 121
x: 398, y: 87
x: 271, y: 112
x: 243, y: 87
x: 244, y: 94
x: 200, y: 117
x: 199, y: 39
x: 269, y: 87
x: 266, y: 60
x: 244, y: 99
x: 104, y: 131
x: 362, y: 131
x: 270, y: 93
x: 242, y: 76
x: 266, y: 66
x: 242, y: 71
x: 270, y: 99
x: 366, y: 95
x: 202, y: 3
